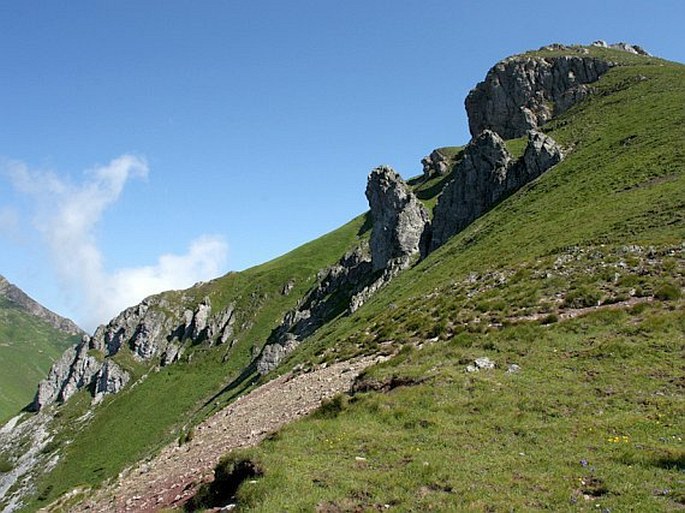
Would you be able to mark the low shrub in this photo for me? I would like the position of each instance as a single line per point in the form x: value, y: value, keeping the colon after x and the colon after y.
x: 231, y: 471
x: 667, y: 291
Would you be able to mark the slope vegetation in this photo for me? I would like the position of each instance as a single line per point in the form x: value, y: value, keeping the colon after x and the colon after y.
x: 536, y: 351
x: 29, y: 344
x: 571, y: 288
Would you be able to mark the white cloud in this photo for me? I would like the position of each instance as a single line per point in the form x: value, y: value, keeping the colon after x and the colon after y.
x: 67, y: 215
x: 9, y: 222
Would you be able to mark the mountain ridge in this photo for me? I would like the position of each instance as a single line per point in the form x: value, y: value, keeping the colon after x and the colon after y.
x: 31, y: 306
x: 190, y: 327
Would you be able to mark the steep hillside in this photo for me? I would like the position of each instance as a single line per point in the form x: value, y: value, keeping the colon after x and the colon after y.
x: 540, y: 363
x: 31, y: 339
x: 526, y: 289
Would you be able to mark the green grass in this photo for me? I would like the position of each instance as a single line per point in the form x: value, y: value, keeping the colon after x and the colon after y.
x: 166, y: 403
x: 608, y: 424
x: 28, y: 347
x: 602, y: 389
x: 596, y: 410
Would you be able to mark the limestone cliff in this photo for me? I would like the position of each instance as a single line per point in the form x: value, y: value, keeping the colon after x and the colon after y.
x: 153, y: 329
x: 398, y: 218
x: 485, y: 176
x: 398, y: 222
x: 524, y: 92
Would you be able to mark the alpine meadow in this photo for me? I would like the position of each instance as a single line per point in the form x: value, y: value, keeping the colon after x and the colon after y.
x: 503, y: 332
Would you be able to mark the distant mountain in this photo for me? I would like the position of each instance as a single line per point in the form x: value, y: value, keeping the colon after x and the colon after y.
x: 31, y: 339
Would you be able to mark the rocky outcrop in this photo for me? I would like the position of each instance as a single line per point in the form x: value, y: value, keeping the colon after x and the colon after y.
x: 221, y: 326
x: 18, y: 297
x: 142, y: 327
x: 485, y: 176
x: 435, y: 164
x: 523, y: 92
x: 74, y: 370
x: 625, y: 47
x: 480, y: 179
x: 153, y: 327
x: 328, y: 298
x: 542, y: 152
x: 398, y: 219
x: 110, y: 379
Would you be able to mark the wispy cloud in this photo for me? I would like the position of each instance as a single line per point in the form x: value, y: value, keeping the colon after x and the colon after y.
x: 66, y: 214
x: 9, y: 222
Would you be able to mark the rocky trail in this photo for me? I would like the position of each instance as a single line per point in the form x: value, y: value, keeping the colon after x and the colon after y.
x: 173, y: 476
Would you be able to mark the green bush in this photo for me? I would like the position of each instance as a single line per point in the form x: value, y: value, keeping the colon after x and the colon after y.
x: 331, y: 408
x: 5, y: 464
x: 582, y: 297
x: 667, y: 291
x: 549, y: 319
x: 231, y: 471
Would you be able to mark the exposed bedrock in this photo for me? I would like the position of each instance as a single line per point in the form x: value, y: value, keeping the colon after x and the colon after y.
x: 398, y: 218
x: 523, y: 92
x: 485, y: 176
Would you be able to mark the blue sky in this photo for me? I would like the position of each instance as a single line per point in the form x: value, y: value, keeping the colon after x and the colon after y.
x: 145, y: 145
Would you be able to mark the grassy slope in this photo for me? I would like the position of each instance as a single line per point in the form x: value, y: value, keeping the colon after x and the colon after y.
x: 28, y: 346
x: 596, y: 410
x: 622, y: 183
x: 141, y: 419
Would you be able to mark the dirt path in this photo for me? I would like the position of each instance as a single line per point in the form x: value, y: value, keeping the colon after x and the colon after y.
x: 172, y: 477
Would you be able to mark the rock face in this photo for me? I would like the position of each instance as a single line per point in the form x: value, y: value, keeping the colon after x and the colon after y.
x: 398, y: 218
x: 541, y: 153
x: 110, y: 379
x: 73, y: 371
x: 17, y: 296
x: 479, y: 181
x: 141, y: 327
x: 330, y: 297
x: 435, y: 164
x: 522, y: 93
x: 485, y: 176
x: 154, y: 328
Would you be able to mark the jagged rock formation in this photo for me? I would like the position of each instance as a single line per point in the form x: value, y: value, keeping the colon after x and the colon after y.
x: 523, y: 92
x: 329, y: 298
x: 541, y: 153
x: 73, y: 371
x: 151, y: 328
x: 110, y: 379
x: 435, y: 164
x: 626, y: 47
x: 141, y: 327
x: 17, y: 296
x: 485, y: 176
x: 398, y: 218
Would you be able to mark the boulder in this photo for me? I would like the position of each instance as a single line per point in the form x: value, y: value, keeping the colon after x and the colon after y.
x: 435, y: 164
